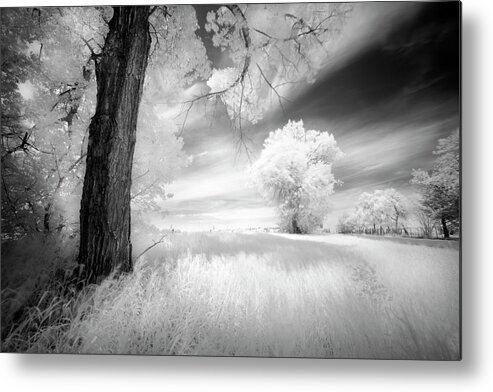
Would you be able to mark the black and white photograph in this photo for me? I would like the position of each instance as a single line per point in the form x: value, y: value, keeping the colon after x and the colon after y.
x: 276, y: 180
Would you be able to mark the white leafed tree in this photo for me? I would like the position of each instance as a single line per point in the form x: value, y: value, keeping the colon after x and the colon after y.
x: 440, y: 188
x: 394, y: 205
x: 380, y: 208
x: 294, y: 171
x: 347, y: 223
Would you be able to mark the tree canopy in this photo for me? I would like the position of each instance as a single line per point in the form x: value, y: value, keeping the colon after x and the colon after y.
x: 294, y: 171
x: 380, y: 208
x: 440, y: 188
x: 271, y: 49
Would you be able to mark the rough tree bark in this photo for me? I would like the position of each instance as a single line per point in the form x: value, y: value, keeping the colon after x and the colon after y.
x: 446, y: 234
x: 105, y: 208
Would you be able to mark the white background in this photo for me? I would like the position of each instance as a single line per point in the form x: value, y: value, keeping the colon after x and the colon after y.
x: 473, y: 373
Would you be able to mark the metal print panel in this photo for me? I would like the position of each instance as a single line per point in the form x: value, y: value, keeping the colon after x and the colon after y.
x: 267, y: 180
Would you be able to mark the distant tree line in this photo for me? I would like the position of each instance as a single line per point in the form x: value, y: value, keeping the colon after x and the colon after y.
x: 376, y: 213
x: 437, y: 209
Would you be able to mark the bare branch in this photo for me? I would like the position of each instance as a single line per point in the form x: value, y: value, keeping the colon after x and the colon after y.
x: 145, y: 189
x: 152, y: 10
x: 56, y: 162
x: 141, y: 175
x: 73, y: 165
x: 156, y: 44
x: 93, y: 54
x: 23, y: 146
x: 279, y: 96
x: 242, y: 144
x: 241, y: 103
x: 151, y: 246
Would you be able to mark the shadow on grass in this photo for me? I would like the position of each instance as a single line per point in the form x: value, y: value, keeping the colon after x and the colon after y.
x: 290, y: 255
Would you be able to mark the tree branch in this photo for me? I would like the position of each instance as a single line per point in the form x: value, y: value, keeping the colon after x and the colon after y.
x: 142, y: 190
x: 245, y: 34
x: 150, y: 247
x: 279, y: 96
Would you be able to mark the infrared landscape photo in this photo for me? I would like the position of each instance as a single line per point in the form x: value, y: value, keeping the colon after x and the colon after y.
x: 264, y: 180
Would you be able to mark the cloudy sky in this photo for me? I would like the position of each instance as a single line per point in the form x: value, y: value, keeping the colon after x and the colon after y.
x: 388, y: 92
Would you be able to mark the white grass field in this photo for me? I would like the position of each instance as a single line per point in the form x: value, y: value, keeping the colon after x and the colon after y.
x: 270, y: 295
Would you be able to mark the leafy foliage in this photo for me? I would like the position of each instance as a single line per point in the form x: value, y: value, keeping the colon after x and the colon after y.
x: 347, y: 223
x: 271, y: 48
x: 47, y: 96
x: 178, y: 56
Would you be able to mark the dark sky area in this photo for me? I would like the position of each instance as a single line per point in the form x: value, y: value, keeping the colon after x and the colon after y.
x: 391, y: 92
x: 412, y: 79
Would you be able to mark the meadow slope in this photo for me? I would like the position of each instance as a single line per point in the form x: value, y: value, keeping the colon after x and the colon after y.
x: 271, y: 295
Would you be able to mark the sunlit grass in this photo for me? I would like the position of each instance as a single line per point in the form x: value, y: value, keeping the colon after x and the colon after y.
x: 265, y: 295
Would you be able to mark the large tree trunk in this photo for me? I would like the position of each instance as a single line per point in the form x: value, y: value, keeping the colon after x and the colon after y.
x: 105, y: 208
x: 445, y: 229
x: 294, y: 225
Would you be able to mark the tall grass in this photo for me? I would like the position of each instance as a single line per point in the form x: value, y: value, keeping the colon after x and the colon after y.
x: 265, y: 295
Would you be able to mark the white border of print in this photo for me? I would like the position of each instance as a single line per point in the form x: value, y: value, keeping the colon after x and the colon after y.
x: 36, y: 373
